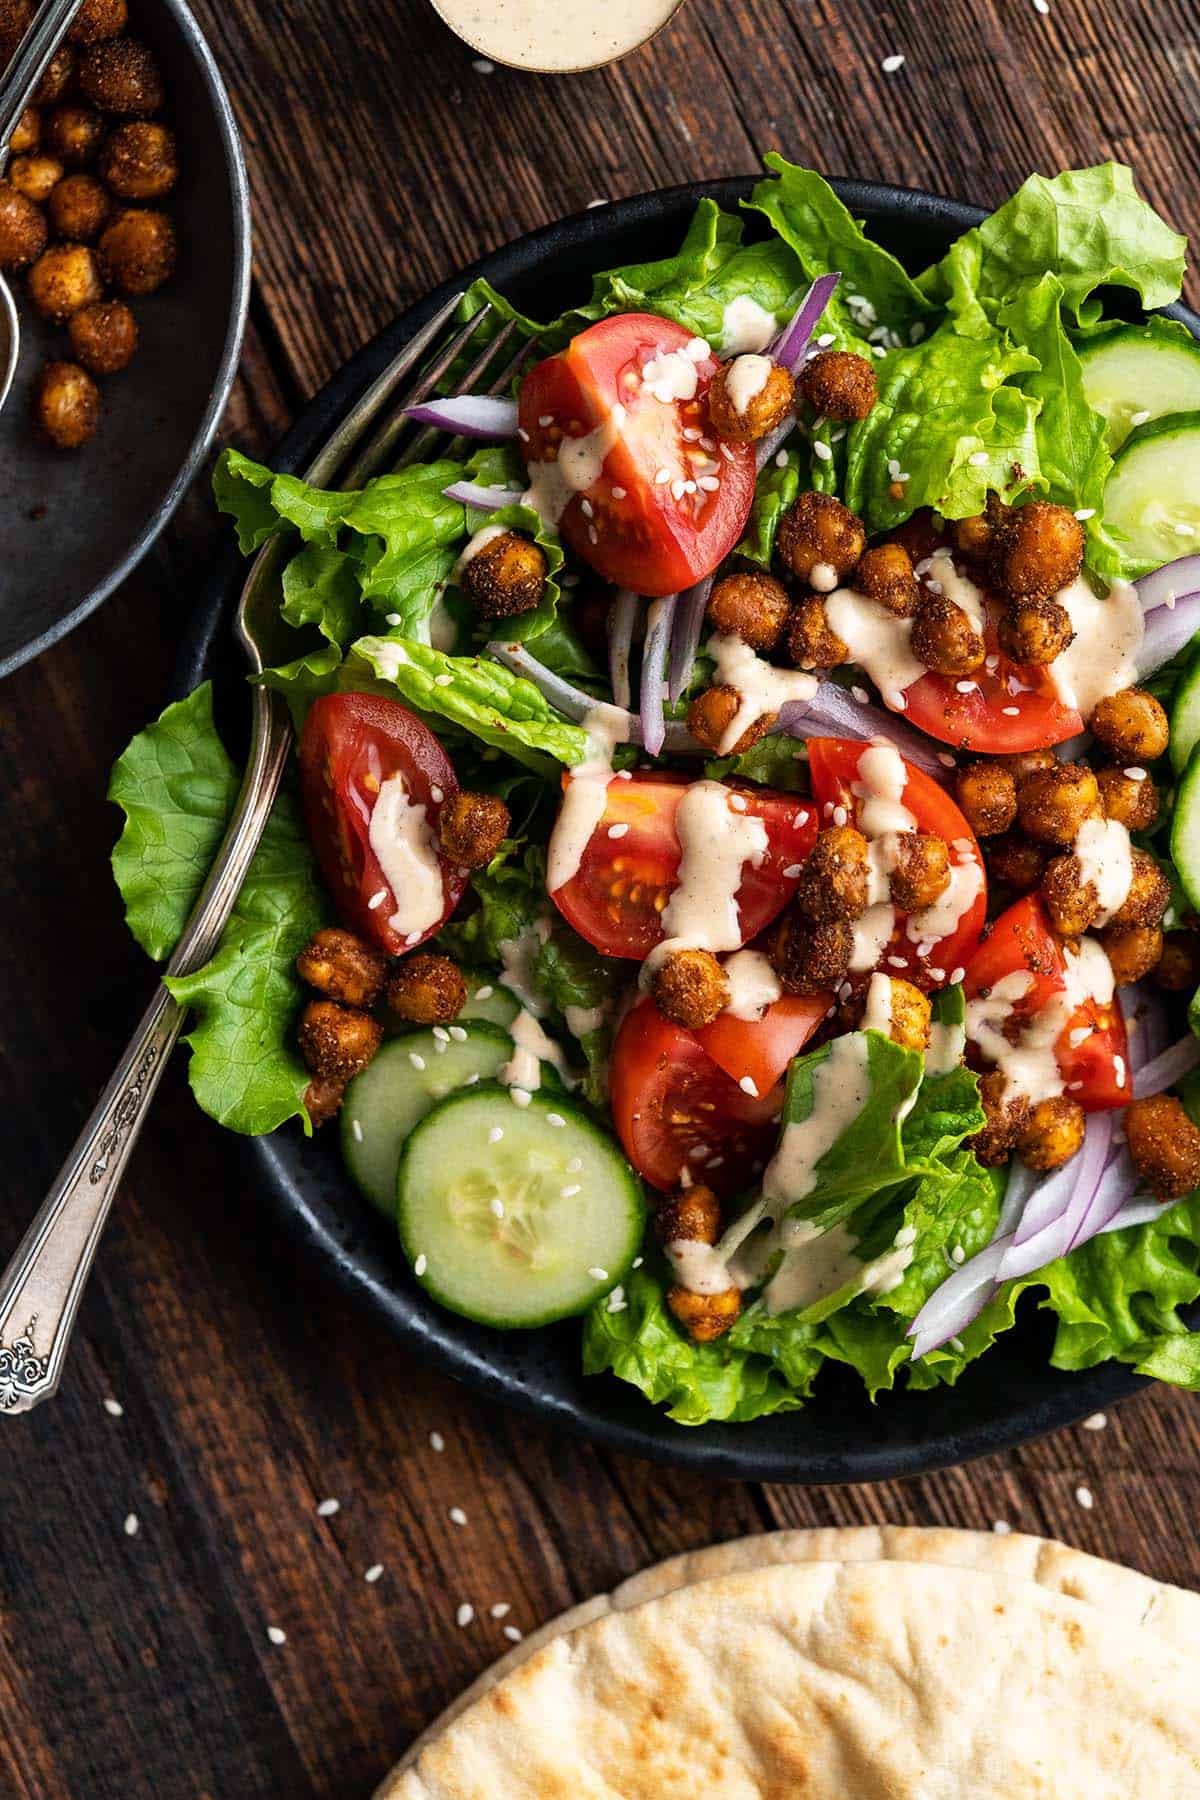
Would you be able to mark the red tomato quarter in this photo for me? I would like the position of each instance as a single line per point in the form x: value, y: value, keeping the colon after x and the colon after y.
x: 675, y: 1109
x: 351, y: 745
x: 761, y: 1049
x: 616, y: 899
x: 833, y: 763
x: 653, y: 500
x: 1096, y: 1069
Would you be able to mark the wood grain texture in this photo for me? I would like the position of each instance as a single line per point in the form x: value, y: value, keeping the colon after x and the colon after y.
x: 140, y: 1665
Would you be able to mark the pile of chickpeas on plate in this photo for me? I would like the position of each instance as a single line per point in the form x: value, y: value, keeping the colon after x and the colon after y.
x: 79, y: 205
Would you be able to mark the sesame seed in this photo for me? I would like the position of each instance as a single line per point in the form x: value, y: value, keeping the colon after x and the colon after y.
x: 586, y: 508
x: 957, y: 1255
x: 464, y: 1615
x: 482, y: 66
x: 979, y: 459
x: 897, y: 962
x: 520, y: 1096
x: 377, y: 899
x: 1084, y: 513
x: 594, y: 1274
x: 569, y: 1192
x: 131, y: 1525
x: 1041, y: 6
x: 327, y: 1508
x: 1119, y: 1069
x: 373, y: 1573
x: 1138, y: 418
x: 618, y: 493
x: 495, y: 1134
x: 965, y: 687
x: 749, y: 1086
x: 792, y: 871
x: 546, y: 419
x: 437, y: 1441
x: 555, y: 1119
x: 738, y: 802
x: 457, y: 1516
x: 1185, y: 531
x: 781, y: 458
x: 1135, y: 774
x: 840, y: 815
x: 485, y: 992
x: 414, y: 937
x: 678, y: 488
x: 442, y: 681
x: 822, y: 451
x: 860, y: 694
x: 617, y: 1301
x: 617, y: 831
x: 114, y: 1408
x: 458, y: 1033
x: 890, y: 64
x: 356, y: 1128
x: 1095, y: 1421
x: 957, y: 975
x: 1011, y: 712
x: 497, y: 1207
x: 897, y: 699
x: 500, y: 1610
x: 421, y: 1264
x: 637, y: 1262
x: 276, y: 1635
x: 391, y: 618
x: 416, y: 1059
x: 593, y: 535
x: 1001, y: 1527
x: 512, y: 1634
x: 709, y: 483
x: 1084, y: 1496
x: 945, y: 758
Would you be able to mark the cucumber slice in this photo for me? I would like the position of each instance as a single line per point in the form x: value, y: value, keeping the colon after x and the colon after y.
x: 1185, y: 829
x: 1185, y: 716
x: 516, y: 1215
x: 409, y: 1075
x: 488, y: 1000
x: 1148, y: 369
x: 1154, y: 489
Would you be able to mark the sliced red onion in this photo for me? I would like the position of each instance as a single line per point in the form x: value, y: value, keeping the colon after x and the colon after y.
x: 660, y: 620
x: 484, y: 499
x: 1168, y: 1068
x: 834, y: 712
x: 1169, y: 629
x: 685, y: 638
x: 789, y: 344
x: 580, y: 708
x: 1138, y: 1211
x: 1052, y: 1221
x: 1174, y: 581
x: 621, y: 620
x: 1146, y: 1025
x: 960, y: 1299
x: 485, y: 416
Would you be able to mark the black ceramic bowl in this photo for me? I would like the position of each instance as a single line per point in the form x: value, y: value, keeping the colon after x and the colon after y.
x: 73, y: 525
x: 1012, y: 1394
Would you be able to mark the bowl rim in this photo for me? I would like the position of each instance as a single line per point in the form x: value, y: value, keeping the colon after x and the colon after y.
x: 722, y: 1450
x: 227, y: 367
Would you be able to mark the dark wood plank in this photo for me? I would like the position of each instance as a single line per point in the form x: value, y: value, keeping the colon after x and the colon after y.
x: 141, y: 1665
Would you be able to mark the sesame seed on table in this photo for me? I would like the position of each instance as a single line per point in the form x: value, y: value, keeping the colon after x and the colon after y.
x: 254, y: 1546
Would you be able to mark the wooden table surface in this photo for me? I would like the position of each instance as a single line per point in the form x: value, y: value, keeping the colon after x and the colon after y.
x: 144, y: 1553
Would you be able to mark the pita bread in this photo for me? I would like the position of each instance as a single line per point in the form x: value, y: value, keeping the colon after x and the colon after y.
x: 881, y: 1680
x: 1169, y: 1613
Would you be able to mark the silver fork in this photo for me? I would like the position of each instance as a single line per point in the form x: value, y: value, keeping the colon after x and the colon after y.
x: 41, y: 1289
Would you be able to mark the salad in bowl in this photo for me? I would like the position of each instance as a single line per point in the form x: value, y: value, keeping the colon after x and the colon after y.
x: 738, y: 881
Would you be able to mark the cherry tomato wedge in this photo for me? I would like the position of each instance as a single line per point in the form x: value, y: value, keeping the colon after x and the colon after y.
x: 759, y: 1050
x: 1095, y: 1068
x: 675, y: 1109
x: 351, y: 744
x: 624, y: 882
x: 1008, y: 707
x: 653, y: 500
x: 834, y: 764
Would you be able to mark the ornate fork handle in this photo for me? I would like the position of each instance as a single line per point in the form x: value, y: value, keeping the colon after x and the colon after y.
x: 42, y: 1286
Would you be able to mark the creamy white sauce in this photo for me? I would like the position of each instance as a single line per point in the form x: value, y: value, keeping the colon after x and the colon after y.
x: 877, y: 1015
x: 581, y: 1021
x: 585, y: 798
x: 951, y: 906
x: 1105, y: 857
x: 698, y: 1267
x: 841, y: 1088
x: 531, y: 1048
x: 487, y: 534
x: 1102, y: 659
x: 745, y: 325
x: 555, y: 36
x: 877, y: 641
x: 958, y: 588
x: 443, y: 632
x: 762, y: 687
x: 672, y: 375
x: 517, y: 957
x: 1029, y: 1066
x: 872, y: 935
x: 578, y: 466
x: 882, y: 778
x: 818, y: 1264
x: 715, y: 844
x: 753, y: 985
x: 947, y: 1046
x: 745, y: 379
x: 882, y: 856
x: 822, y: 578
x: 406, y: 850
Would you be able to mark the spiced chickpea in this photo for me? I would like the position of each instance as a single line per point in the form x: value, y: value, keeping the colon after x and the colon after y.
x: 1070, y: 899
x: 835, y: 878
x: 749, y: 397
x: 36, y: 176
x: 139, y: 161
x: 690, y: 988
x: 1164, y: 1145
x: 839, y: 385
x: 342, y: 967
x: 885, y: 575
x: 1015, y: 862
x: 73, y: 134
x: 1129, y: 797
x: 23, y: 230
x: 1178, y: 968
x: 987, y: 796
x: 505, y: 576
x: 472, y: 827
x: 812, y: 643
x: 1053, y: 803
x: 1149, y: 893
x: 920, y: 873
x: 60, y: 71
x: 1037, y: 549
x: 1006, y: 1114
x: 691, y: 1216
x: 427, y: 990
x: 26, y: 132
x: 711, y: 714
x: 705, y: 1317
x: 973, y: 537
x: 944, y: 639
x: 753, y: 607
x: 137, y: 251
x: 1035, y: 631
x: 1027, y: 762
x: 1133, y: 950
x: 337, y: 1041
x: 1052, y: 1134
x: 65, y: 405
x: 909, y: 1012
x: 64, y: 278
x: 79, y: 207
x: 323, y: 1100
x: 809, y: 956
x: 98, y: 19
x: 104, y: 336
x: 1131, y: 726
x: 818, y: 529
x: 120, y: 75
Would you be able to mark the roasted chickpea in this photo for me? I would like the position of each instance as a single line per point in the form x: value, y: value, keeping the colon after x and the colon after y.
x: 817, y: 529
x: 690, y: 988
x: 1052, y: 1134
x: 64, y: 278
x: 340, y: 966
x: 104, y: 336
x: 36, y: 176
x: 692, y: 1216
x: 1070, y: 899
x: 23, y: 232
x: 1133, y: 951
x: 810, y: 956
x: 885, y: 575
x: 472, y: 828
x: 79, y: 208
x: 427, y: 990
x: 1037, y: 549
x: 26, y: 132
x: 752, y: 607
x: 1035, y: 631
x: 987, y: 797
x: 1027, y: 762
x: 1131, y: 726
x: 65, y: 405
x: 337, y: 1041
x: 505, y: 576
x: 749, y: 397
x: 705, y: 1317
x: 1053, y: 803
x: 972, y: 537
x: 943, y: 637
x: 907, y: 1011
x: 60, y: 71
x: 1129, y: 797
x: 1149, y: 894
x: 323, y: 1100
x: 835, y: 879
x: 920, y: 873
x: 140, y: 161
x: 1178, y: 969
x: 712, y: 713
x: 839, y: 385
x: 138, y: 251
x: 98, y: 19
x: 73, y: 134
x: 812, y: 643
x: 1164, y: 1145
x: 1015, y: 862
x: 121, y: 75
x: 1006, y: 1114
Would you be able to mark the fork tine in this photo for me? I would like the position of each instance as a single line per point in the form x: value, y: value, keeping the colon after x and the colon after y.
x: 422, y: 446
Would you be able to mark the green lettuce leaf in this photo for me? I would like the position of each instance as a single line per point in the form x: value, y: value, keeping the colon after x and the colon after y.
x: 509, y: 898
x: 774, y: 492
